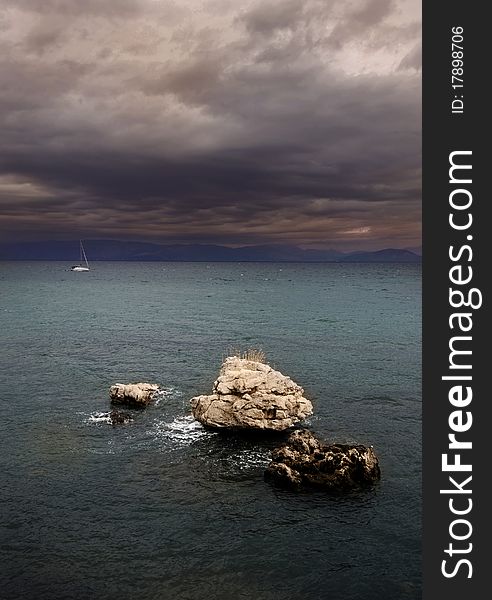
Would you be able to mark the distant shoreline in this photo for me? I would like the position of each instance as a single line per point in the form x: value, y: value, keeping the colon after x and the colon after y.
x: 112, y: 250
x: 177, y: 261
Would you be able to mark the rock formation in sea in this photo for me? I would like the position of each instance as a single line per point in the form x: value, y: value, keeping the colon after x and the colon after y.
x: 304, y: 462
x: 137, y: 395
x: 249, y: 394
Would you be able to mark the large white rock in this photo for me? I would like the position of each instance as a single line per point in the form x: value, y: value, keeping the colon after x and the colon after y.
x: 133, y: 394
x: 251, y: 395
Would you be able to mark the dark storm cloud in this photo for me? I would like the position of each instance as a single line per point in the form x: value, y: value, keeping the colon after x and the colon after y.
x: 412, y: 60
x: 362, y: 18
x: 206, y: 122
x: 267, y: 17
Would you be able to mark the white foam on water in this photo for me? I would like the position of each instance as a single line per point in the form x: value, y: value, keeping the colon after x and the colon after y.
x: 182, y: 431
x: 251, y: 459
x: 162, y: 393
x: 98, y: 417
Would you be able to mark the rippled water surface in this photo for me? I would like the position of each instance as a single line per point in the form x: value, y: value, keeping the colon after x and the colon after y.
x: 160, y: 508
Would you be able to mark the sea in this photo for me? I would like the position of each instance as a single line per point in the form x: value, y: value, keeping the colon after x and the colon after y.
x: 164, y: 509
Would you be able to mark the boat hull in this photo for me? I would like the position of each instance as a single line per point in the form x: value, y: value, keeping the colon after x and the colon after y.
x: 80, y: 269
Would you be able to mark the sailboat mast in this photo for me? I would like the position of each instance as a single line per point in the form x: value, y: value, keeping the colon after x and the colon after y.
x: 83, y: 255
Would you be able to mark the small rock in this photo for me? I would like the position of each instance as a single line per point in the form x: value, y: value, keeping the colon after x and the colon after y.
x: 136, y: 395
x: 303, y: 463
x: 119, y: 417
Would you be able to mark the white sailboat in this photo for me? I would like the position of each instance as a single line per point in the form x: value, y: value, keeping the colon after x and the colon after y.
x: 83, y: 259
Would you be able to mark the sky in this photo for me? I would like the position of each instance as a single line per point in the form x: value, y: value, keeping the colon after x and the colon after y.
x: 231, y: 122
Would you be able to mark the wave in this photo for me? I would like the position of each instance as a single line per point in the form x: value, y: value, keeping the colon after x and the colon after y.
x: 99, y: 417
x: 182, y: 431
x: 162, y: 393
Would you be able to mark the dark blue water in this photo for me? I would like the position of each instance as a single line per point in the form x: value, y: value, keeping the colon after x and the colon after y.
x: 161, y: 508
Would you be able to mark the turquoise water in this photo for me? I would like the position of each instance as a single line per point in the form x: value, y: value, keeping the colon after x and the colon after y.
x: 162, y: 508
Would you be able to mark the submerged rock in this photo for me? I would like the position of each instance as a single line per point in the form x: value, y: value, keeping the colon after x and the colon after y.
x: 114, y: 417
x: 249, y: 394
x: 303, y: 462
x: 136, y: 395
x: 119, y: 417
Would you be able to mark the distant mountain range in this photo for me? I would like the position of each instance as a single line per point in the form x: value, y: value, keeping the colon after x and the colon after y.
x: 145, y: 251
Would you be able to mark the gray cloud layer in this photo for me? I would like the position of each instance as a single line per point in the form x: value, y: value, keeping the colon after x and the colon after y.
x: 217, y: 121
